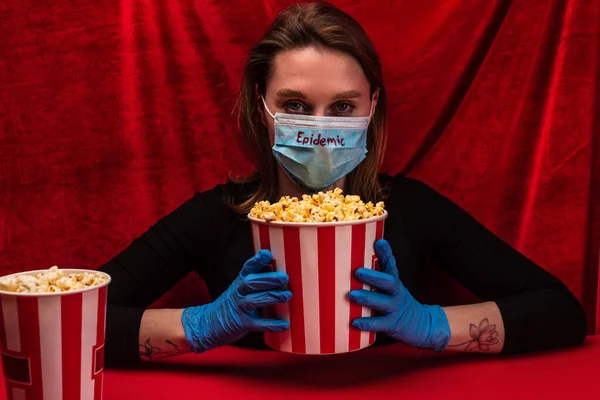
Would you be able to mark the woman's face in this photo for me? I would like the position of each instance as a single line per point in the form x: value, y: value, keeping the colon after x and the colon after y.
x: 320, y: 83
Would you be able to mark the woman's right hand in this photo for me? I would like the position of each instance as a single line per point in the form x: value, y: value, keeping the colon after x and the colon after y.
x: 234, y: 313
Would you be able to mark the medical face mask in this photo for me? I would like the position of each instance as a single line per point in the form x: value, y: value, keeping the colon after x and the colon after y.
x: 315, y: 152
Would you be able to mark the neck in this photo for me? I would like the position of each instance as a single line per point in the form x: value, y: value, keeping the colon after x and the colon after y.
x: 288, y: 188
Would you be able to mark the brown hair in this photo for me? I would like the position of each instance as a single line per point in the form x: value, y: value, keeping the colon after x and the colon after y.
x: 323, y: 26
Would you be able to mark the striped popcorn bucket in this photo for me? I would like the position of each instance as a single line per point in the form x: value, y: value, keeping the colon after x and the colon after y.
x: 53, y: 343
x: 320, y: 260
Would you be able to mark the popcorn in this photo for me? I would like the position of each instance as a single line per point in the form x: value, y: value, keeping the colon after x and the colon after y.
x: 51, y: 281
x: 330, y: 206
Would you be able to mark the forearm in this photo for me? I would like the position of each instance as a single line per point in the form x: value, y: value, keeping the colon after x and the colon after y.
x: 161, y: 334
x: 475, y: 328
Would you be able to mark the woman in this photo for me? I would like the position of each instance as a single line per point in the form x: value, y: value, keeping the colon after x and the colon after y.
x: 315, y: 63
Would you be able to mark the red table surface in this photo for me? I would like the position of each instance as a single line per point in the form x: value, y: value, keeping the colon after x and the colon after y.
x: 394, y: 371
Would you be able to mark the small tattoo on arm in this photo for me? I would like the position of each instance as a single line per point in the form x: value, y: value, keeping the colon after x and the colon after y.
x: 483, y: 336
x: 149, y: 352
x: 173, y: 344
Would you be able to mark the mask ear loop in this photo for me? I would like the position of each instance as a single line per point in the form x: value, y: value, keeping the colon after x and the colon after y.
x: 266, y: 108
x: 372, y: 108
x: 372, y: 112
x: 375, y: 94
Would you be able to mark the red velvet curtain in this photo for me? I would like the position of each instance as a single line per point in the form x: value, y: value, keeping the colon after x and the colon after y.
x: 112, y: 113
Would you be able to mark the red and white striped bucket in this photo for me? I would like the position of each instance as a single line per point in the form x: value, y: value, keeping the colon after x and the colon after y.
x: 53, y: 343
x: 320, y: 259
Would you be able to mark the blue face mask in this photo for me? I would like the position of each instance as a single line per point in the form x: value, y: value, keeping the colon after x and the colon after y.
x: 315, y: 152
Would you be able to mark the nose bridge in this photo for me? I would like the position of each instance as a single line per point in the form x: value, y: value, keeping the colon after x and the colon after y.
x: 320, y: 110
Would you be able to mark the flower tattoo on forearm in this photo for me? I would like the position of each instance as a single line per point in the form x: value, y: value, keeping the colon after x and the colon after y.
x: 483, y: 336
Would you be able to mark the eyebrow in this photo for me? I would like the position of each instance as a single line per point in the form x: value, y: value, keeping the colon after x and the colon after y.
x: 291, y: 93
x: 350, y: 94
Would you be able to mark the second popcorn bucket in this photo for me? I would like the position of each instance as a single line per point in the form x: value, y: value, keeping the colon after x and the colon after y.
x: 320, y: 259
x: 53, y: 343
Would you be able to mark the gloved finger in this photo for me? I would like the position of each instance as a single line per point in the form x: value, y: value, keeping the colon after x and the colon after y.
x: 263, y: 299
x: 371, y: 324
x: 269, y: 325
x: 379, y: 280
x: 262, y: 281
x: 386, y: 258
x: 256, y: 263
x: 377, y: 301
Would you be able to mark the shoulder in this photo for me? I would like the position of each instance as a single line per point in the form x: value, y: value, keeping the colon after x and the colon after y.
x: 405, y: 189
x: 230, y: 188
x: 221, y: 195
x: 211, y: 204
x: 417, y: 200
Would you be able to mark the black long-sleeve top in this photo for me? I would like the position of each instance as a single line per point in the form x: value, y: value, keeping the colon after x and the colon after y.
x: 206, y: 236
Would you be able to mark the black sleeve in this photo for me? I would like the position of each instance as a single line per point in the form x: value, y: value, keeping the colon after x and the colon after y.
x: 538, y: 310
x: 151, y: 265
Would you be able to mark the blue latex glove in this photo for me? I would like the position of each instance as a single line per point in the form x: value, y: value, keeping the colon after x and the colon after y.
x: 234, y: 313
x: 401, y: 316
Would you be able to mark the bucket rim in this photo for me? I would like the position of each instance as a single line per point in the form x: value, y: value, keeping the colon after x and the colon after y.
x: 66, y: 271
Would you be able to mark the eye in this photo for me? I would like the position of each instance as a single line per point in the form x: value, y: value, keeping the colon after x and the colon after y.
x: 294, y: 107
x: 343, y: 108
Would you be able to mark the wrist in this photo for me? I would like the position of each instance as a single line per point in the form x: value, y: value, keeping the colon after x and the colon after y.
x: 439, y: 331
x: 193, y: 327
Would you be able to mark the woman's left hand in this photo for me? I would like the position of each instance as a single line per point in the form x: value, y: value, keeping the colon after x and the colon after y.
x: 401, y: 316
